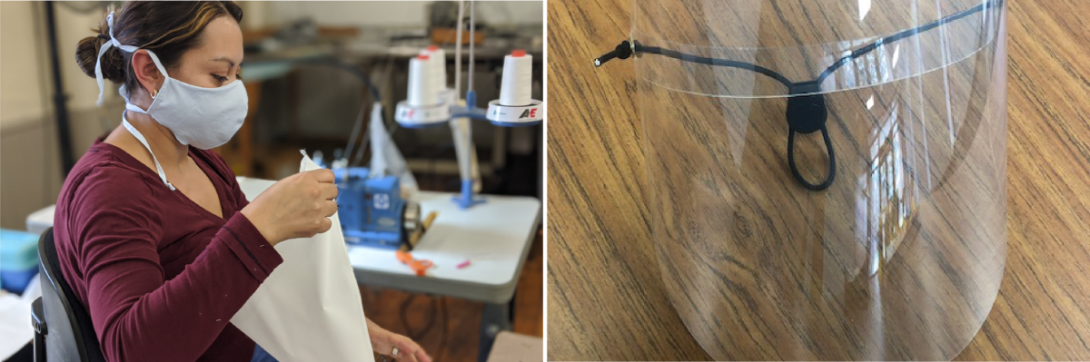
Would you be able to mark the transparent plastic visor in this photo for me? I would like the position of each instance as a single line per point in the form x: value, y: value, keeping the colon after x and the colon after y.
x: 826, y: 178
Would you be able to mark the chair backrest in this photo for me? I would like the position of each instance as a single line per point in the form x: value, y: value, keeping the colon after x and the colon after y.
x: 70, y: 337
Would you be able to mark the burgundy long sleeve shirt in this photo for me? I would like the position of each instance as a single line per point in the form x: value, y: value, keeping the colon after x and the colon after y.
x: 160, y: 276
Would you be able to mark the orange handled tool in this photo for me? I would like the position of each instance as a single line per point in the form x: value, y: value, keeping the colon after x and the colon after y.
x: 420, y: 267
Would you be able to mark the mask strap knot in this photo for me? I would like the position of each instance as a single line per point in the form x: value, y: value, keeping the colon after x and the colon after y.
x: 98, y: 61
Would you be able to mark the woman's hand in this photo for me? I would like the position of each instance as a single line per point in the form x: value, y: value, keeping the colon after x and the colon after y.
x: 384, y: 341
x: 295, y: 207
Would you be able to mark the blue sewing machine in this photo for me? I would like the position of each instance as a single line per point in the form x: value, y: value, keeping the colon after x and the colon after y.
x: 372, y: 211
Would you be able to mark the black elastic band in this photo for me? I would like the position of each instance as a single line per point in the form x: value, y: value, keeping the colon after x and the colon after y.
x: 904, y: 34
x: 795, y: 170
x: 714, y: 61
x: 104, y: 37
x: 639, y: 48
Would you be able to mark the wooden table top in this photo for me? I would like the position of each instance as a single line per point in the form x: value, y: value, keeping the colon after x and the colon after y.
x: 606, y: 298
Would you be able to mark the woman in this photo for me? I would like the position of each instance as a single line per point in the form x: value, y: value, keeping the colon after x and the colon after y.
x: 153, y: 233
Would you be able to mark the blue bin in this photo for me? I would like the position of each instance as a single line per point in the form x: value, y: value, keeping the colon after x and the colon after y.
x: 18, y: 259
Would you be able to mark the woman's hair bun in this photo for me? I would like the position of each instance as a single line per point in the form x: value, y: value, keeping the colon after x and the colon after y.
x: 113, y: 63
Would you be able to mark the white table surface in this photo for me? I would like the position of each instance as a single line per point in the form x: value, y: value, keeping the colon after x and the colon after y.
x: 494, y: 236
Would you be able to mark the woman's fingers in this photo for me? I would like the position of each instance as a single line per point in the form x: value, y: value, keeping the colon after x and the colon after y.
x: 324, y: 175
x: 323, y: 226
x: 422, y: 357
x: 328, y: 191
x: 330, y: 208
x: 409, y: 350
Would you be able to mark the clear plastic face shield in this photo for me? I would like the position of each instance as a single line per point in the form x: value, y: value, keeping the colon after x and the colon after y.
x: 826, y: 177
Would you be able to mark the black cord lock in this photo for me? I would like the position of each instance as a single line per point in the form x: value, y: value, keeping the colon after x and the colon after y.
x: 807, y: 111
x: 806, y: 114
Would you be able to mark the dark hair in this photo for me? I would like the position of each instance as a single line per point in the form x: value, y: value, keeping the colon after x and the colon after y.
x: 169, y: 28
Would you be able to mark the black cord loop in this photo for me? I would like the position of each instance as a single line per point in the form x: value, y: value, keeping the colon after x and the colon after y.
x: 829, y: 177
x: 714, y: 61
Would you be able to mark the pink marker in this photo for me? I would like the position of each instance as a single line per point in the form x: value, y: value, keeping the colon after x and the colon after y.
x: 463, y: 264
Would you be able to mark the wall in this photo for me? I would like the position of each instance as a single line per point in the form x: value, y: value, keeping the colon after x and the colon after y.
x: 401, y: 13
x: 30, y: 169
x: 22, y: 99
x: 71, y: 28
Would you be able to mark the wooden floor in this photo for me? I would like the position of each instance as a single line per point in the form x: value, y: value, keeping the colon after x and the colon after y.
x: 463, y: 316
x: 606, y: 298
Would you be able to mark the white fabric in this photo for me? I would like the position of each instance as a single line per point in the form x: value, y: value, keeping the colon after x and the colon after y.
x: 140, y: 137
x: 309, y: 308
x: 385, y: 157
x: 15, y: 328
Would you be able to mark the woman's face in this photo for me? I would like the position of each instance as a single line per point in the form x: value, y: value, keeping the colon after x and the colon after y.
x: 217, y: 60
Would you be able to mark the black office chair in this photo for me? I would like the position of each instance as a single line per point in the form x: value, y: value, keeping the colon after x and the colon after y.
x: 62, y: 327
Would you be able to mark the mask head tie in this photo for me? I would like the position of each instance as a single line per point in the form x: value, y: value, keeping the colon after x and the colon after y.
x: 112, y: 42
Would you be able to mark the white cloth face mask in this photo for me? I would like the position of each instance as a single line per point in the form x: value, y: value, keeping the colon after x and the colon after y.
x: 202, y: 117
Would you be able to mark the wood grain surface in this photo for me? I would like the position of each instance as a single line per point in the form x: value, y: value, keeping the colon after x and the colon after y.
x: 606, y: 298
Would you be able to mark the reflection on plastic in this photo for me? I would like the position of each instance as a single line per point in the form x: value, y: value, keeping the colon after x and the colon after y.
x: 902, y: 257
x: 309, y: 308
